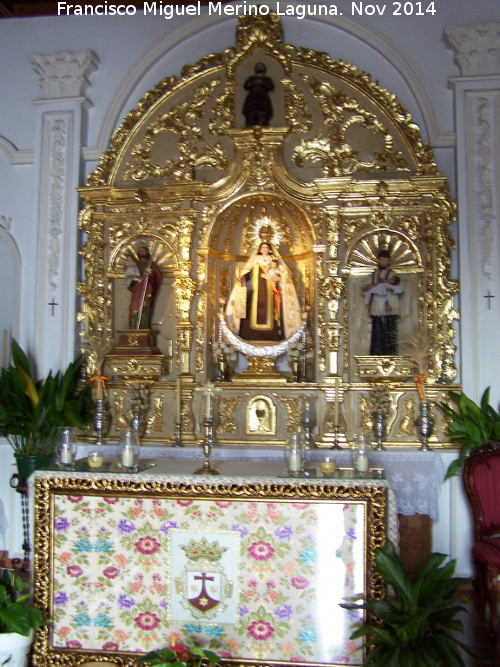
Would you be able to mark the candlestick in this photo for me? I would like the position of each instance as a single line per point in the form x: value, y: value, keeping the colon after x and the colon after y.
x: 178, y: 400
x: 336, y: 404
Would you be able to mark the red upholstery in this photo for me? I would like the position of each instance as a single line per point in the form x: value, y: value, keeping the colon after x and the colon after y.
x: 488, y: 551
x: 486, y: 481
x: 481, y: 477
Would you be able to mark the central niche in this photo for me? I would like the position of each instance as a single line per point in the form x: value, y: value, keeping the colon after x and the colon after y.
x: 262, y: 261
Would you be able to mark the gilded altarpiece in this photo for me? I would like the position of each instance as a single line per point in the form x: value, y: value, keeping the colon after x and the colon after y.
x: 339, y: 174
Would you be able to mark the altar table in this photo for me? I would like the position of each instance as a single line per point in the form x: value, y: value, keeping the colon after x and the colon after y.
x: 251, y: 563
x: 414, y: 476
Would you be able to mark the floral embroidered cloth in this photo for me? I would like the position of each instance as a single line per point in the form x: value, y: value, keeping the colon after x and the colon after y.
x: 246, y: 579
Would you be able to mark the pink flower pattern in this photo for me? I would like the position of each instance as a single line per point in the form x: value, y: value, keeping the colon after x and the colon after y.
x: 261, y: 550
x: 147, y: 621
x: 147, y: 545
x: 261, y: 630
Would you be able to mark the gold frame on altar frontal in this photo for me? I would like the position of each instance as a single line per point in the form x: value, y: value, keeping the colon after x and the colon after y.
x: 59, y: 501
x: 340, y: 174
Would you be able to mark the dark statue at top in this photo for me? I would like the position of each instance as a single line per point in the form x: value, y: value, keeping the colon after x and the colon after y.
x: 258, y: 109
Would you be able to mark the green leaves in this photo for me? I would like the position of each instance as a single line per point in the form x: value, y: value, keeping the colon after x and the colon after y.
x: 179, y: 656
x: 31, y: 411
x: 470, y: 426
x: 415, y: 623
x: 17, y: 614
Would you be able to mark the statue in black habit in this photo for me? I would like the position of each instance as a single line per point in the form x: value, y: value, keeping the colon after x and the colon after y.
x: 258, y: 109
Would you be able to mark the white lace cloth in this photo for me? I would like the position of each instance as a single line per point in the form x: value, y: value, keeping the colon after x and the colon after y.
x: 414, y: 476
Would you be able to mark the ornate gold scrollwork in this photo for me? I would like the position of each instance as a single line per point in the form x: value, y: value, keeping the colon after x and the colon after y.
x: 293, y: 408
x: 205, y: 209
x: 335, y: 153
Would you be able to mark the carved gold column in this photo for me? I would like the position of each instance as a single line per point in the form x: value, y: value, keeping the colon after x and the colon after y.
x: 331, y: 291
x: 185, y: 290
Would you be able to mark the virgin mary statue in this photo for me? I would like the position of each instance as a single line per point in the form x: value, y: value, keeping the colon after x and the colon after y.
x: 263, y: 305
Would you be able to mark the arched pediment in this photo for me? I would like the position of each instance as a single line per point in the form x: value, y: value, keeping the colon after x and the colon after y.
x: 335, y: 121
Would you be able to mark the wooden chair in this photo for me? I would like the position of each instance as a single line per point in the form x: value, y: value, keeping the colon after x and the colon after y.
x: 481, y: 477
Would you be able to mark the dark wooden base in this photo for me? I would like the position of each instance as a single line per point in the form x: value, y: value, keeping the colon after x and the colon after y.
x: 136, y: 342
x: 415, y: 541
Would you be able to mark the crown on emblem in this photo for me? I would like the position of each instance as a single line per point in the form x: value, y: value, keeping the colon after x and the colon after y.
x: 203, y: 550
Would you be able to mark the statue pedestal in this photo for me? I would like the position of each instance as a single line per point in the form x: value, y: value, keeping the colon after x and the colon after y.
x: 137, y: 357
x: 260, y: 369
x: 135, y: 342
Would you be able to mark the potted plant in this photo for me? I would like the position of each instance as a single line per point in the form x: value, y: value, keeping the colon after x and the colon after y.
x: 31, y: 410
x: 470, y: 426
x: 415, y: 625
x: 19, y: 618
x: 179, y: 656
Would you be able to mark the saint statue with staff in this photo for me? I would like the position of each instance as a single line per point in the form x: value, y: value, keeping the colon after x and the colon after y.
x: 143, y: 279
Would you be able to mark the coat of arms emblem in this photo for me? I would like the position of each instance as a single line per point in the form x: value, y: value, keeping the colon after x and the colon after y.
x: 203, y: 586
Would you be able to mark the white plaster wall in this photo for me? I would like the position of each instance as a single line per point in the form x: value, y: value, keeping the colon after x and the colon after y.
x: 407, y: 55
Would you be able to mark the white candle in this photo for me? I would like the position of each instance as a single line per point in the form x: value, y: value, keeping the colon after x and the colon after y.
x: 209, y: 402
x: 66, y: 453
x: 362, y: 462
x: 336, y: 404
x: 127, y: 457
x: 179, y: 401
x: 294, y: 461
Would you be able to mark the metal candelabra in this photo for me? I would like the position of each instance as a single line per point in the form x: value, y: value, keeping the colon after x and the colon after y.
x: 425, y: 424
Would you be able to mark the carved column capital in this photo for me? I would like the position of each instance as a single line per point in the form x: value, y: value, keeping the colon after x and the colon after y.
x: 64, y: 74
x: 477, y: 47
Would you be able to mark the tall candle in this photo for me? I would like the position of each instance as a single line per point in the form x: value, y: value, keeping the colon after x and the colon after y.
x: 362, y: 462
x: 336, y: 404
x: 294, y: 461
x: 209, y: 402
x: 66, y: 453
x: 179, y: 400
x: 99, y: 389
x: 127, y: 457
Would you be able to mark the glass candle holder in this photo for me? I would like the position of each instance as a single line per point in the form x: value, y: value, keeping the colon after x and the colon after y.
x: 128, y: 454
x: 295, y: 454
x: 95, y: 459
x: 328, y: 466
x: 361, y: 454
x: 66, y: 447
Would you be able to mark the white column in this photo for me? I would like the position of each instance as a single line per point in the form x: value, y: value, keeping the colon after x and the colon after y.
x: 58, y: 143
x: 477, y: 126
x: 477, y: 119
